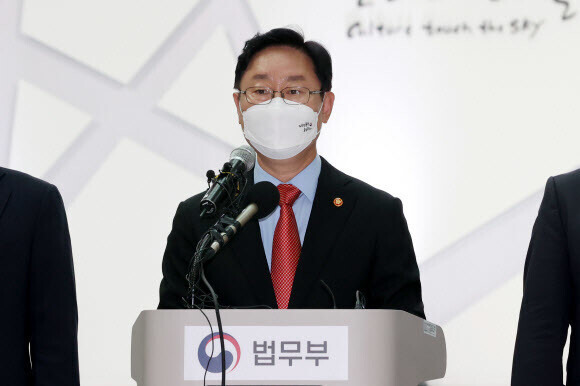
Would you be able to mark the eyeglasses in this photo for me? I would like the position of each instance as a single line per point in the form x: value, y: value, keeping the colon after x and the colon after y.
x: 290, y: 95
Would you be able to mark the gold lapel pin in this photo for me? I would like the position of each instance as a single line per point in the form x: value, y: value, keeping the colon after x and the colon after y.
x: 338, y: 202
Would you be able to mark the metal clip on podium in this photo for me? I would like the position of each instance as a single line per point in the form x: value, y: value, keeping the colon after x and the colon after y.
x: 287, y: 347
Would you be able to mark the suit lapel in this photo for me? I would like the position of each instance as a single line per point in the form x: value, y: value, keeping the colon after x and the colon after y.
x: 248, y: 250
x: 327, y: 220
x: 4, y: 192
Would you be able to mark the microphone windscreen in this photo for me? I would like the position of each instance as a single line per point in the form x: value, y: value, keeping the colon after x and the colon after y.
x: 246, y: 154
x: 264, y: 194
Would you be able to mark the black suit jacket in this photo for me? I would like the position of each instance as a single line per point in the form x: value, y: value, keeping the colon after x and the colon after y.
x: 37, y: 288
x: 362, y: 245
x: 551, y: 290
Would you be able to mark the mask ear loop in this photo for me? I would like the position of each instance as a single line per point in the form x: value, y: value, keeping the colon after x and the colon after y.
x: 240, y: 104
x: 318, y: 114
x: 241, y: 113
x: 322, y: 105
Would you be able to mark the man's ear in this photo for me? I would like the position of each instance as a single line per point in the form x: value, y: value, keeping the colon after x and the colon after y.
x: 327, y: 106
x: 237, y: 103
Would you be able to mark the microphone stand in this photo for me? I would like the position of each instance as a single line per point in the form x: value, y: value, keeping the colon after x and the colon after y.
x: 202, y: 254
x: 216, y: 237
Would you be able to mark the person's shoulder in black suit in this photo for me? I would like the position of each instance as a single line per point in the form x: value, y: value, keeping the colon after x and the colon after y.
x: 375, y: 199
x: 567, y: 189
x: 572, y: 178
x: 25, y: 186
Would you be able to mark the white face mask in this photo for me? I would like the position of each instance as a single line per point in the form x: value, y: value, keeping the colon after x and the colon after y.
x: 279, y: 130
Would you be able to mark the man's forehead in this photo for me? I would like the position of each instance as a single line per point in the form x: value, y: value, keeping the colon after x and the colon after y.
x: 280, y: 63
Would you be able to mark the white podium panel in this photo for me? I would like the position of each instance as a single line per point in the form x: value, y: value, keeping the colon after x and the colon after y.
x: 287, y: 347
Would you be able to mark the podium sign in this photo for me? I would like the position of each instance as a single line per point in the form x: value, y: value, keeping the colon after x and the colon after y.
x: 287, y: 347
x: 272, y: 353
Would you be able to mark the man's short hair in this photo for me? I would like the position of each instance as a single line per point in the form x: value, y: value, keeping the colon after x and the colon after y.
x: 291, y: 38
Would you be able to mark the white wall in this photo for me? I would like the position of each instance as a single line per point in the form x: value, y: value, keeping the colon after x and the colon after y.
x: 99, y: 97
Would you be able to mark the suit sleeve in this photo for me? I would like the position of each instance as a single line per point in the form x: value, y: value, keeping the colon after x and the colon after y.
x: 53, y: 305
x: 178, y: 253
x: 395, y: 282
x: 546, y: 304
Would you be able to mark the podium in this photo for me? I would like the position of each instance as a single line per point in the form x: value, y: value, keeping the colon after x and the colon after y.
x: 287, y: 347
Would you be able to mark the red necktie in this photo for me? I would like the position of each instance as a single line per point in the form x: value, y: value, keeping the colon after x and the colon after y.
x: 286, y: 247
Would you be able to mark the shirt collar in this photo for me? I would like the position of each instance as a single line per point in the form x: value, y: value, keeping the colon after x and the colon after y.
x: 306, y: 180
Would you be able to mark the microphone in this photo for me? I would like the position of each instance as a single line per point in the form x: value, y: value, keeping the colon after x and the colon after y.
x: 361, y: 302
x: 260, y: 201
x: 226, y: 186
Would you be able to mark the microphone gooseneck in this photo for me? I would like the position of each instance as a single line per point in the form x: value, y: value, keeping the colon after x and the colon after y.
x: 327, y: 288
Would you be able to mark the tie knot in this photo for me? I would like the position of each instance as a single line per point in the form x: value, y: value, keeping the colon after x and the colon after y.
x: 288, y: 194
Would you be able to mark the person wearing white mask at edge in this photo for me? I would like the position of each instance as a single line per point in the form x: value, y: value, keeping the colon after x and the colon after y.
x: 333, y: 239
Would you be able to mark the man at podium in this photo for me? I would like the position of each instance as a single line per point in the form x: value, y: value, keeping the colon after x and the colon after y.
x: 331, y: 235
